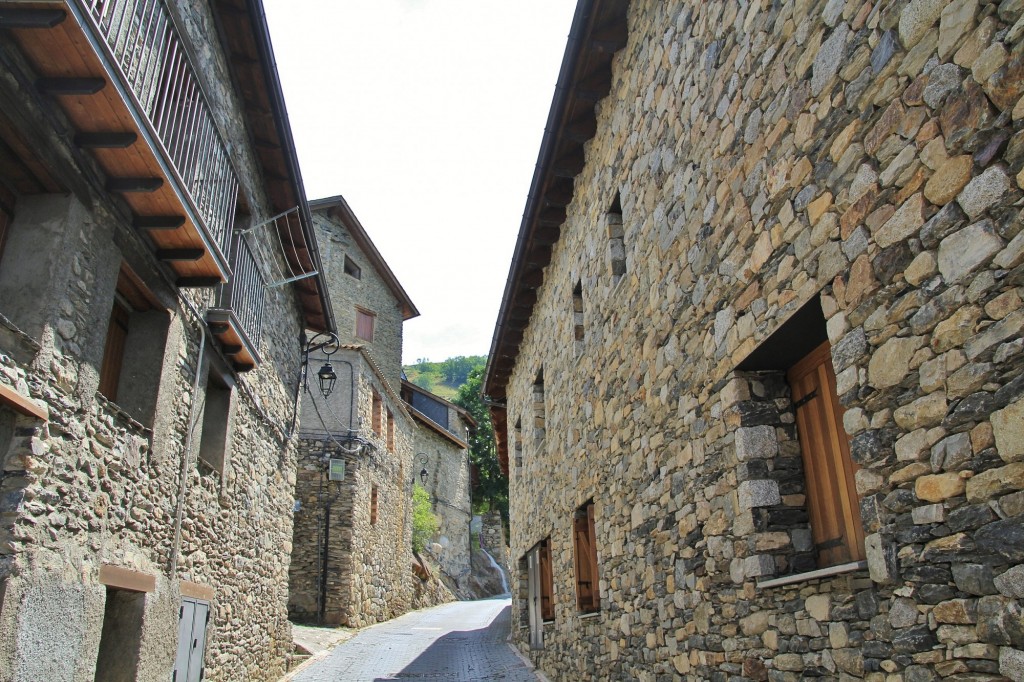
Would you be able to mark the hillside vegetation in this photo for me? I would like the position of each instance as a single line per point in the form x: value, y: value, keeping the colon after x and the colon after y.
x: 444, y: 378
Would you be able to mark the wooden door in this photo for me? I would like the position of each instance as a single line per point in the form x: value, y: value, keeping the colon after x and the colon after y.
x: 832, y: 501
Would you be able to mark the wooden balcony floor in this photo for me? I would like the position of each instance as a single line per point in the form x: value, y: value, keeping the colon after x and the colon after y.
x: 65, y: 51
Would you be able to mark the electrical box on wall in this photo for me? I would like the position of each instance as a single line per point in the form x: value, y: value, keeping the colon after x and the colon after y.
x: 337, y: 470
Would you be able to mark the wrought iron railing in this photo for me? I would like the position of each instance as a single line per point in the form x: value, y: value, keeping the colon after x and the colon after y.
x: 245, y: 294
x: 144, y: 42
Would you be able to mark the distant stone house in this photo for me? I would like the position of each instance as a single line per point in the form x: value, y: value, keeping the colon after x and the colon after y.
x: 758, y: 368
x: 441, y: 447
x: 352, y: 561
x: 148, y: 340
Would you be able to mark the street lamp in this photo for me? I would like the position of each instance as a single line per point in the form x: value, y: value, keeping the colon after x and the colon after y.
x: 424, y: 460
x: 328, y: 344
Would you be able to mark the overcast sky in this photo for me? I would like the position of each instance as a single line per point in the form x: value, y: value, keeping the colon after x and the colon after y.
x: 427, y: 115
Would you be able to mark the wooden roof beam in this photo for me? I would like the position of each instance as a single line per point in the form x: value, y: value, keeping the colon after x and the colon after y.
x: 31, y: 18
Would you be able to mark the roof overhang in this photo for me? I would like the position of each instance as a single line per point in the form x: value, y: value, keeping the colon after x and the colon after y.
x: 598, y: 32
x: 339, y: 208
x: 246, y: 38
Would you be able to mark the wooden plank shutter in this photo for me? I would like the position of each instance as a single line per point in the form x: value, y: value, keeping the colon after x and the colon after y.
x: 832, y: 502
x: 587, y: 592
x: 113, y: 350
x: 364, y: 324
x: 547, y: 606
x: 584, y: 581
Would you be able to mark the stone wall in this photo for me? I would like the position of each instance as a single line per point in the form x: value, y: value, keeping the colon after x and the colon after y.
x: 765, y: 156
x: 98, y: 485
x: 448, y: 484
x: 369, y: 574
x: 369, y: 292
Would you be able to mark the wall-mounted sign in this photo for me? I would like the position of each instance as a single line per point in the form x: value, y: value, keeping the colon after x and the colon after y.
x: 337, y: 470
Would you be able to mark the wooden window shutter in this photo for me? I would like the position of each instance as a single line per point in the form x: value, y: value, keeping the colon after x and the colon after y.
x: 547, y: 606
x: 832, y: 502
x: 113, y: 350
x: 364, y: 324
x: 587, y: 592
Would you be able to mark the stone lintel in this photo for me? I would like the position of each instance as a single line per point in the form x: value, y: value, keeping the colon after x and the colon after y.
x: 126, y: 579
x: 196, y: 590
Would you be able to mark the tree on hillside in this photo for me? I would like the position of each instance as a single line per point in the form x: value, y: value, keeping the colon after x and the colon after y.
x: 491, y: 490
x: 456, y: 370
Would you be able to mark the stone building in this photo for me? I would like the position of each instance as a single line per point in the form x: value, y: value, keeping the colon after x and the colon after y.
x: 148, y: 341
x: 759, y: 357
x: 441, y: 450
x: 353, y: 560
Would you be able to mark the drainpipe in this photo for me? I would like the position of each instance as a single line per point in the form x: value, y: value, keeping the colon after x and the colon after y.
x: 186, y: 457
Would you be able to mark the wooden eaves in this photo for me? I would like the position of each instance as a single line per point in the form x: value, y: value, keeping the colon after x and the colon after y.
x: 599, y: 30
x: 246, y: 37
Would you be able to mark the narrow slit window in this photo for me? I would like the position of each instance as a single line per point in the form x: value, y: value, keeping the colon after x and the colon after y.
x: 519, y: 442
x: 373, y: 505
x: 377, y: 410
x: 391, y: 431
x: 588, y: 598
x: 539, y: 413
x: 616, y: 239
x: 577, y: 318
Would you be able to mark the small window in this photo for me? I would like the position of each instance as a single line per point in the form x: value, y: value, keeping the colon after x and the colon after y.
x: 376, y: 413
x: 390, y: 431
x: 519, y: 442
x: 133, y: 351
x: 616, y: 239
x: 577, y: 318
x: 351, y: 269
x: 364, y: 324
x: 214, y: 443
x: 538, y: 407
x: 588, y: 598
x: 373, y: 505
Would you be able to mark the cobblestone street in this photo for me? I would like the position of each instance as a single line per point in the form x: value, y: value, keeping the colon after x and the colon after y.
x: 459, y: 641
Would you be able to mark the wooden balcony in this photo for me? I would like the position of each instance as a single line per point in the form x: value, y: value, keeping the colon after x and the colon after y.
x: 122, y: 77
x: 237, y: 317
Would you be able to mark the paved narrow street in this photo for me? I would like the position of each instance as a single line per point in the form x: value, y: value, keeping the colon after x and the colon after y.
x: 459, y: 641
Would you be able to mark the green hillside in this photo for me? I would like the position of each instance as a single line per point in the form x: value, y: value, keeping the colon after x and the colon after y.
x: 444, y: 378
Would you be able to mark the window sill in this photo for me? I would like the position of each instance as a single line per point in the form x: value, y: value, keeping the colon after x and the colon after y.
x: 587, y: 616
x: 811, y: 575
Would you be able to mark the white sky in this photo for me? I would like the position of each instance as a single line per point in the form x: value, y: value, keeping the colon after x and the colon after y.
x: 427, y: 115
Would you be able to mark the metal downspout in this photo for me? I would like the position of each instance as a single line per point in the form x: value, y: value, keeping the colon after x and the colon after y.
x: 186, y: 457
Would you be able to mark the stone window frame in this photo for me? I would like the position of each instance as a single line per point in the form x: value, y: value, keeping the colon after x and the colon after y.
x: 771, y: 480
x: 365, y: 317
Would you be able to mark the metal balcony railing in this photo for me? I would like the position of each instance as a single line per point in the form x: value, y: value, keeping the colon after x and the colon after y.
x: 245, y: 294
x: 143, y: 40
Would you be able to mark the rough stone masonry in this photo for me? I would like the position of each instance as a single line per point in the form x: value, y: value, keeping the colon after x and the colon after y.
x: 750, y: 160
